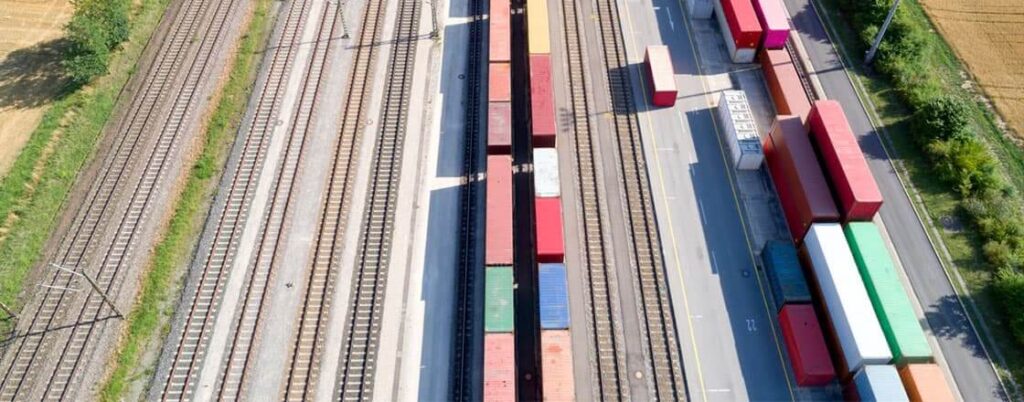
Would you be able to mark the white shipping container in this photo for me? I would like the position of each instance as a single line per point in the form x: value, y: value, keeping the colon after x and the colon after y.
x: 700, y: 9
x: 740, y: 55
x: 880, y: 383
x: 545, y: 172
x: 739, y: 130
x: 853, y: 318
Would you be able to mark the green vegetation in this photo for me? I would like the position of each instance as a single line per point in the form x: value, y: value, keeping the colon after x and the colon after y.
x: 148, y: 322
x: 97, y: 27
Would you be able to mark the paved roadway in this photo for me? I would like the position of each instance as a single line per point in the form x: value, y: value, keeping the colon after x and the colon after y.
x: 944, y: 313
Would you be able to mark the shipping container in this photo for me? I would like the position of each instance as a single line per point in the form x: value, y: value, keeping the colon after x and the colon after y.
x: 852, y: 183
x: 739, y: 130
x: 499, y: 128
x: 739, y: 26
x: 499, y: 311
x: 542, y: 101
x: 554, y: 296
x: 798, y: 178
x: 550, y: 246
x: 499, y: 368
x: 500, y: 36
x: 853, y: 323
x: 545, y: 173
x: 499, y: 87
x: 558, y: 383
x: 700, y: 9
x: 774, y: 21
x: 891, y: 303
x: 782, y: 267
x: 661, y: 76
x: 537, y: 26
x: 499, y: 211
x: 879, y: 383
x: 808, y: 353
x: 925, y: 383
x: 784, y: 83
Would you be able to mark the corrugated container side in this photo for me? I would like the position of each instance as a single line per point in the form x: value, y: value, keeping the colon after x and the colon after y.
x: 792, y: 161
x: 499, y: 367
x: 499, y: 82
x: 848, y: 172
x: 554, y: 296
x: 805, y: 343
x: 736, y: 53
x: 537, y: 24
x: 499, y: 210
x: 782, y: 267
x: 545, y: 173
x: 558, y: 383
x: 500, y: 36
x: 879, y: 383
x: 775, y: 22
x: 741, y: 20
x: 700, y: 9
x: 550, y: 245
x: 853, y: 319
x: 499, y: 128
x: 926, y: 383
x: 888, y: 296
x: 784, y: 83
x: 542, y: 101
x: 739, y: 130
x: 499, y: 311
x: 661, y: 76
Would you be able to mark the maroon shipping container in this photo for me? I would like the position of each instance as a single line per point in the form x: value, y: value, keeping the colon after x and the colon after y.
x: 801, y: 185
x: 743, y: 25
x: 499, y: 128
x: 550, y: 246
x: 808, y: 353
x: 500, y: 47
x: 542, y: 108
x: 499, y: 210
x: 783, y: 83
x: 500, y: 83
x: 852, y: 183
x: 661, y: 76
x: 556, y: 365
x: 499, y: 367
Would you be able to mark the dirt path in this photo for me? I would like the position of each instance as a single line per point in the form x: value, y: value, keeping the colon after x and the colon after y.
x: 29, y: 57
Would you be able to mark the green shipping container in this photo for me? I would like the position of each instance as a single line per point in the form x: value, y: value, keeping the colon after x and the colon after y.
x: 888, y: 297
x: 498, y: 308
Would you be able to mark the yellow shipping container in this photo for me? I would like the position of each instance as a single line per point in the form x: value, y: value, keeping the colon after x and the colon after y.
x: 537, y: 24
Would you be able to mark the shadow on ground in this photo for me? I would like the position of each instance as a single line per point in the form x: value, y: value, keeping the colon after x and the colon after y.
x: 32, y: 76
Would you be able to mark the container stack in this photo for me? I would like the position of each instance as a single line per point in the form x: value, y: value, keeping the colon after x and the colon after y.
x: 661, y: 76
x: 740, y: 28
x: 739, y: 131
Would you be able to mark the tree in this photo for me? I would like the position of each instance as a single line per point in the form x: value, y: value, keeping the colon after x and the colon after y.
x: 945, y: 117
x: 87, y: 53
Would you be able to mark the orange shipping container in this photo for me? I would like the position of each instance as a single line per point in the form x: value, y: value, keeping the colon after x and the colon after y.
x: 926, y: 383
x: 499, y: 83
x: 499, y: 367
x: 556, y: 365
x: 784, y: 83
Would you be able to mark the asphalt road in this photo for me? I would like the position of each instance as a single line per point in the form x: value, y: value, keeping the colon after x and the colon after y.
x: 945, y: 315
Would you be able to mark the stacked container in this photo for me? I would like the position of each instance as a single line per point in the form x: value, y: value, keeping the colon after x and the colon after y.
x: 742, y: 32
x: 661, y: 76
x: 784, y: 84
x: 739, y: 131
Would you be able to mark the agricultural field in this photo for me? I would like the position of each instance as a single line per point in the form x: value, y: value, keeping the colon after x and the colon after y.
x: 30, y: 32
x: 985, y: 34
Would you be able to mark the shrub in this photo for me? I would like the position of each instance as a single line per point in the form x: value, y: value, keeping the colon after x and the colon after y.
x: 945, y: 117
x: 966, y: 164
x: 1009, y: 286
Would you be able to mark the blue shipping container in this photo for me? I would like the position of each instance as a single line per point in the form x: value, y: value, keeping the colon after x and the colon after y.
x: 554, y: 296
x: 782, y: 267
x: 880, y: 383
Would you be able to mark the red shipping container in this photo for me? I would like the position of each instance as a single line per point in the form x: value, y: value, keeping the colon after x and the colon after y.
x: 743, y: 25
x: 661, y: 77
x: 499, y: 367
x: 556, y: 365
x: 852, y: 183
x: 500, y: 46
x: 542, y: 108
x: 794, y: 169
x: 499, y: 210
x: 500, y: 83
x: 784, y: 84
x: 499, y: 128
x: 806, y: 345
x: 550, y: 246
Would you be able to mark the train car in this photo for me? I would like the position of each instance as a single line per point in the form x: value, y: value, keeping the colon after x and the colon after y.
x: 925, y: 383
x: 545, y: 173
x: 774, y: 21
x: 857, y: 336
x: 852, y: 183
x: 498, y: 250
x: 499, y: 311
x: 798, y: 179
x: 557, y: 381
x: 661, y: 77
x: 554, y: 296
x: 539, y: 41
x: 499, y: 128
x: 499, y: 86
x: 888, y: 297
x: 877, y: 383
x: 550, y: 244
x: 787, y: 91
x: 786, y: 278
x: 808, y: 353
x: 738, y: 23
x: 739, y: 130
x: 542, y: 101
x: 500, y: 35
x: 700, y: 9
x: 499, y: 368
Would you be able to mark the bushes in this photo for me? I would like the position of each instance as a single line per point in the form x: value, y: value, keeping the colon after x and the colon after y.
x: 1009, y: 285
x: 96, y: 28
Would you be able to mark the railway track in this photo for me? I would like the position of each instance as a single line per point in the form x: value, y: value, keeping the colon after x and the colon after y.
x: 163, y: 83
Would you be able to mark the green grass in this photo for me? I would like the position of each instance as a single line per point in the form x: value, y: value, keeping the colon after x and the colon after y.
x: 934, y: 198
x: 148, y: 322
x: 70, y: 130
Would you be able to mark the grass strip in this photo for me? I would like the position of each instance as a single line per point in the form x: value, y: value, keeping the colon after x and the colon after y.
x: 149, y: 320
